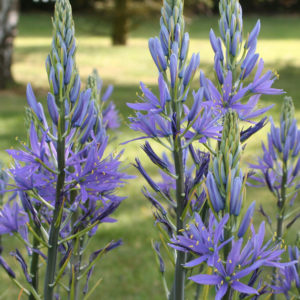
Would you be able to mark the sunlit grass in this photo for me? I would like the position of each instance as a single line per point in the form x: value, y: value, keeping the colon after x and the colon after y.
x: 130, y: 273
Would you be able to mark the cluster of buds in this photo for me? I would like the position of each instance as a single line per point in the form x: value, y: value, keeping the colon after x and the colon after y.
x: 225, y: 181
x: 105, y: 107
x: 279, y: 167
x: 231, y: 30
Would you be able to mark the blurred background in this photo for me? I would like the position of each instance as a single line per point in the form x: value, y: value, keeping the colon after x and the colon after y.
x: 112, y: 36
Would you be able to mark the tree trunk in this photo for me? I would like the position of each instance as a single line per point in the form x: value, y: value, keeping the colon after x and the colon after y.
x: 9, y: 16
x: 121, y: 22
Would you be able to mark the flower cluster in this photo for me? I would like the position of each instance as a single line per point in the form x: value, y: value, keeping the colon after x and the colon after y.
x: 214, y: 112
x: 65, y: 180
x: 245, y: 257
x: 280, y: 162
x: 234, y: 63
x: 279, y: 170
x: 279, y: 167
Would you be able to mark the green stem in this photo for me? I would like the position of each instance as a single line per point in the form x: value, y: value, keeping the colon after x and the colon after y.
x: 75, y: 259
x: 179, y: 281
x: 180, y: 260
x: 198, y: 291
x: 56, y: 221
x: 280, y: 216
x: 199, y: 286
x: 34, y: 268
x: 228, y: 295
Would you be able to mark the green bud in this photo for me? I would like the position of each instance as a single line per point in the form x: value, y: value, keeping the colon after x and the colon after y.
x: 175, y: 14
x: 288, y: 112
x: 230, y: 146
x: 93, y: 82
x: 172, y: 27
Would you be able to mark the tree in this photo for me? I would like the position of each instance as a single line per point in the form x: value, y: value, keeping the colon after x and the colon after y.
x: 124, y: 11
x: 121, y: 20
x: 9, y: 16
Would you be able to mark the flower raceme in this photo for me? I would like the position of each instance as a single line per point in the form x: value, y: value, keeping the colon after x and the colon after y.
x: 283, y: 148
x: 225, y: 180
x: 235, y: 61
x: 65, y: 179
x: 177, y: 123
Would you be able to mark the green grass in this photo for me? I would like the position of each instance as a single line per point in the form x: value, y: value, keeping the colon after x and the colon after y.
x: 129, y: 272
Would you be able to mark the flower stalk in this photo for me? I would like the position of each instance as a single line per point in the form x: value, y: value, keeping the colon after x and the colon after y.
x: 55, y: 225
x: 181, y: 257
x: 34, y: 268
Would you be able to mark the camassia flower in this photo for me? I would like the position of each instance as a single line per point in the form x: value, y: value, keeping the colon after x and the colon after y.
x: 207, y: 244
x: 229, y: 275
x: 203, y: 241
x: 90, y: 174
x: 199, y: 123
x: 230, y: 98
x: 12, y: 219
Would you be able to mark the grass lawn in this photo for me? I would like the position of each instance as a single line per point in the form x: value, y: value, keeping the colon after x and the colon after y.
x: 129, y: 272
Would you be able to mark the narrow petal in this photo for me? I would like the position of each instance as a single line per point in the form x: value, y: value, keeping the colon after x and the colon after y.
x: 196, y: 262
x: 206, y: 279
x: 243, y: 288
x: 222, y: 291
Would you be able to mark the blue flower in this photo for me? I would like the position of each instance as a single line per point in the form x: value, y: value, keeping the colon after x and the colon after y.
x: 229, y: 276
x: 151, y: 103
x: 12, y: 219
x: 203, y: 241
